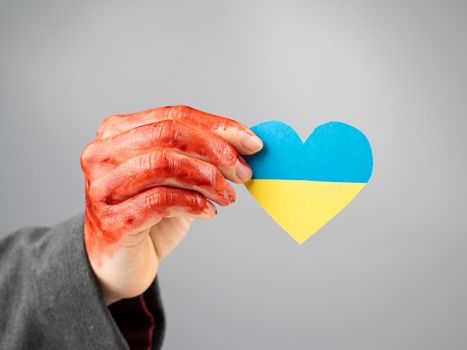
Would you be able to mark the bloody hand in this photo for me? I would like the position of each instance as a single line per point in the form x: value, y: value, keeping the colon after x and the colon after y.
x: 148, y: 175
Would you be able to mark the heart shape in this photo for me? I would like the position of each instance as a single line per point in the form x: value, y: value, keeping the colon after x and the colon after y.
x: 303, y: 185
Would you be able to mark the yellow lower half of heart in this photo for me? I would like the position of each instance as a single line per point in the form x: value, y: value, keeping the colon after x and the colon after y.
x: 301, y: 207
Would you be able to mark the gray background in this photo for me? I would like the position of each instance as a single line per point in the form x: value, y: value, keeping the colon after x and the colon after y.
x: 389, y: 272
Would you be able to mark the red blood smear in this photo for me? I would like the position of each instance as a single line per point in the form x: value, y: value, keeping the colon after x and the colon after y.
x: 123, y: 209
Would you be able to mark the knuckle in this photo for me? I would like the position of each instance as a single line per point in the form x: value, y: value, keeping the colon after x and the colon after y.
x: 107, y: 124
x: 156, y: 199
x: 179, y: 111
x: 145, y: 166
x: 164, y: 131
x: 96, y: 208
x: 197, y: 201
x: 110, y: 119
x: 169, y: 125
x: 217, y: 176
x: 106, y: 216
x: 97, y: 153
x: 211, y: 174
x: 153, y: 161
x: 107, y: 221
x: 94, y: 193
x: 86, y: 155
x: 164, y: 160
x: 226, y: 153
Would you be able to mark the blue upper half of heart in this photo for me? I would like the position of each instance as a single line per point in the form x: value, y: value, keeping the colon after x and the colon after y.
x: 334, y: 152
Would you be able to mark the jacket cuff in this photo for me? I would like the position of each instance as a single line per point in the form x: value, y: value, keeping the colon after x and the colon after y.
x: 67, y: 296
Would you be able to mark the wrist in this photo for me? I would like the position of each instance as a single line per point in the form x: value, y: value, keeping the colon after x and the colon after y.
x: 128, y: 272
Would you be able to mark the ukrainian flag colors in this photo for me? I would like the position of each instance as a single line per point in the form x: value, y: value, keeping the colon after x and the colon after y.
x: 304, y: 185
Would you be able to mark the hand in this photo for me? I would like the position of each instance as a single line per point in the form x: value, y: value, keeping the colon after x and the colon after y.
x: 148, y: 175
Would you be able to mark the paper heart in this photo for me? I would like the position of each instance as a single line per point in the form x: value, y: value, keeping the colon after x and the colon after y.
x: 304, y: 185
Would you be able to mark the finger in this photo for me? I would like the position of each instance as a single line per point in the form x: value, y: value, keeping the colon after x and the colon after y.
x: 146, y: 209
x: 162, y: 167
x: 240, y: 136
x: 175, y: 135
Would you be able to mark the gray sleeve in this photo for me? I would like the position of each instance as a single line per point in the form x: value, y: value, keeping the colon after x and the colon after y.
x: 49, y: 298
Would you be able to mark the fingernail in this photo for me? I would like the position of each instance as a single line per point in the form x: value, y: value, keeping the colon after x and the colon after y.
x: 251, y: 142
x: 243, y: 171
x: 230, y: 195
x: 210, y: 211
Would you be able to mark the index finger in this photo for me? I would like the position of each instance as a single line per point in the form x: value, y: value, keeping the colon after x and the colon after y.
x: 238, y: 135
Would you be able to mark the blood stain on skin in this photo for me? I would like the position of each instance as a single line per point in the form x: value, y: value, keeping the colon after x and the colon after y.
x: 134, y: 195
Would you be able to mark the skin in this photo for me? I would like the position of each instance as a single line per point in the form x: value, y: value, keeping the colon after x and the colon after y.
x: 148, y: 176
